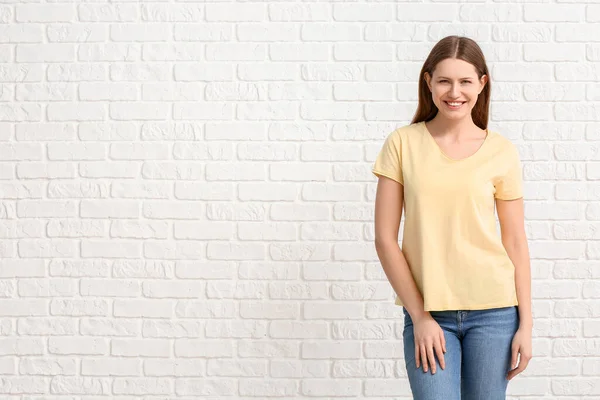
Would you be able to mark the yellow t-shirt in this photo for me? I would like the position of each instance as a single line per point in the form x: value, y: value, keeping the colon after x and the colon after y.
x: 450, y: 240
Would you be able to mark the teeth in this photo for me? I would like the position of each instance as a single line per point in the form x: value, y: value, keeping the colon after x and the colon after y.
x: 454, y: 104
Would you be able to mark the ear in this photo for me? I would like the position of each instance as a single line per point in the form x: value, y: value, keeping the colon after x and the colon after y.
x: 483, y: 81
x: 427, y: 80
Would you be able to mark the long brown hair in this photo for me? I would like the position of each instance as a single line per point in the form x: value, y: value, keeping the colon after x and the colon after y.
x: 461, y: 48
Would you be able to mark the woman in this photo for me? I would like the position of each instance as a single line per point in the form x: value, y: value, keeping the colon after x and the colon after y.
x: 465, y: 289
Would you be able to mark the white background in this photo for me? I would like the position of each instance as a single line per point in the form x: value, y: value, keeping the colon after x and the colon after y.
x: 186, y: 202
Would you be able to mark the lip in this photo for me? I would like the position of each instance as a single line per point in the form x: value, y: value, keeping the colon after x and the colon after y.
x: 458, y: 107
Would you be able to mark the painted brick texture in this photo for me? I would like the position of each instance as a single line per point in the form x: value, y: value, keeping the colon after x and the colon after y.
x: 186, y: 202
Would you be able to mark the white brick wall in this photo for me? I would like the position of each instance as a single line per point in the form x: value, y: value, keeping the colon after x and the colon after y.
x: 186, y: 203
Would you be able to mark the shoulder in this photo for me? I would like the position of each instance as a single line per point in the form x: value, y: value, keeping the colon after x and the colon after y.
x: 404, y: 132
x: 502, y: 143
x: 409, y: 129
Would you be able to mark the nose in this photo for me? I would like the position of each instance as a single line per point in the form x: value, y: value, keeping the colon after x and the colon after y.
x: 455, y: 91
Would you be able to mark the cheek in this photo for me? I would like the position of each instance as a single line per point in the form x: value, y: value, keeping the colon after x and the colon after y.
x: 437, y: 93
x: 472, y: 91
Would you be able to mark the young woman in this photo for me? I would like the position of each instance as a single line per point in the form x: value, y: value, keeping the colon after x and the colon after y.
x: 465, y: 289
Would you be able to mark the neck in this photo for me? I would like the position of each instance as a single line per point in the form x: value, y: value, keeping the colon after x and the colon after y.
x: 451, y: 127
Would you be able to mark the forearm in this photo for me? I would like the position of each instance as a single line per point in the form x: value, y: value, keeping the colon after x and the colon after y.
x: 398, y: 274
x: 519, y: 255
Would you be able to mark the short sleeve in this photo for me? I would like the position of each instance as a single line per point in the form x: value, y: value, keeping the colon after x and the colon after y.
x: 509, y: 185
x: 389, y: 160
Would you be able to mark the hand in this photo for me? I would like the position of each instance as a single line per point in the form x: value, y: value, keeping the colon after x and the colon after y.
x: 429, y: 337
x: 521, y: 344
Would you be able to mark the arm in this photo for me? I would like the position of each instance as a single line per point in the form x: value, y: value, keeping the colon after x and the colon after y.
x: 388, y: 212
x: 512, y: 226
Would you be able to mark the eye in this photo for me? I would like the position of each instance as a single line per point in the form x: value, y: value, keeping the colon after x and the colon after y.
x: 445, y: 80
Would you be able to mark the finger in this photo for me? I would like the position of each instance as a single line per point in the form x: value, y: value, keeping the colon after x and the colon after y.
x: 423, y: 353
x: 443, y: 342
x: 417, y: 355
x: 513, y: 366
x: 440, y: 355
x: 511, y: 374
x: 431, y: 358
x: 513, y: 360
x: 515, y: 372
x: 523, y: 362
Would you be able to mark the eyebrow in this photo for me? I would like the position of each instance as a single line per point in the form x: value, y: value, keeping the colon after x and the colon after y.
x: 445, y: 77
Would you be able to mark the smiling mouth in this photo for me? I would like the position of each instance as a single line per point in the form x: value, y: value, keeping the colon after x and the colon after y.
x: 455, y: 106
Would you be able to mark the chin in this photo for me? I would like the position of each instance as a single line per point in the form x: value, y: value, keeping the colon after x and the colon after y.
x: 453, y: 115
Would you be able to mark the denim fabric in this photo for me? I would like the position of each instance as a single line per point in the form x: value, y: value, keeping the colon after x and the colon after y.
x: 478, y: 354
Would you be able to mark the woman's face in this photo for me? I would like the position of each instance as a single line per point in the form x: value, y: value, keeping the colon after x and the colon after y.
x: 455, y: 87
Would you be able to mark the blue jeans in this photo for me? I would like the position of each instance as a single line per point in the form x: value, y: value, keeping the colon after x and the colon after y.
x: 478, y: 354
